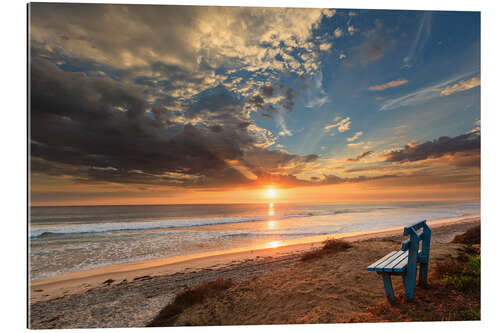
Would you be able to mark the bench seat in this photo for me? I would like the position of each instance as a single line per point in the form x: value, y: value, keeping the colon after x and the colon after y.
x: 404, y: 262
x: 393, y: 262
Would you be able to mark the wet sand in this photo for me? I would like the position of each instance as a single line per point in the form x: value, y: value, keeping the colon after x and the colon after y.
x: 130, y: 295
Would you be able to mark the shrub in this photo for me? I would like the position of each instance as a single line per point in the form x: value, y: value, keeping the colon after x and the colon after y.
x: 463, y: 278
x: 188, y: 298
x: 329, y: 246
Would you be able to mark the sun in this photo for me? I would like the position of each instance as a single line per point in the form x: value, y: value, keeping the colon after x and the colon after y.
x: 271, y: 193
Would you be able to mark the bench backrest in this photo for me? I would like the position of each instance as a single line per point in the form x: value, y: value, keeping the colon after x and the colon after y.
x: 413, y: 243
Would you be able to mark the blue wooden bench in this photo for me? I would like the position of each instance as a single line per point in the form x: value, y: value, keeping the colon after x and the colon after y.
x: 404, y: 262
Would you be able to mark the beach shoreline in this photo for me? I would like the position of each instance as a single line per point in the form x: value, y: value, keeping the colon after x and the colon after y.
x: 79, y: 282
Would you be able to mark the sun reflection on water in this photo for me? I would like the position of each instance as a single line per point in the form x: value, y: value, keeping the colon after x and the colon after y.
x: 271, y: 209
x: 274, y: 244
x: 271, y: 224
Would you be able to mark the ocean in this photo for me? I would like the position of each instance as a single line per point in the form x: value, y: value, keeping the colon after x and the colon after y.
x: 70, y: 239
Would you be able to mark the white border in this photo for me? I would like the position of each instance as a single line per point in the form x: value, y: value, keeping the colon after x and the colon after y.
x: 13, y: 244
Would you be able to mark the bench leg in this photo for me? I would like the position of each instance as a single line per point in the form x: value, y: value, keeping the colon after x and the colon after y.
x: 422, y: 276
x: 411, y: 276
x: 388, y: 287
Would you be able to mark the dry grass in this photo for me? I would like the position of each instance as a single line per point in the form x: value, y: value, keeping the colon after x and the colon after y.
x: 329, y: 246
x: 188, y: 298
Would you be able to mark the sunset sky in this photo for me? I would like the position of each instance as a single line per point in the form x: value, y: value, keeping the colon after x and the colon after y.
x: 176, y: 104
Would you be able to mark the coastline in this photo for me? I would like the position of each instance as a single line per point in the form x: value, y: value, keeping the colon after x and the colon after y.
x: 79, y: 282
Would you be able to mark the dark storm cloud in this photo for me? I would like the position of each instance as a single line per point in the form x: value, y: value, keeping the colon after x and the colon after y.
x: 360, y: 156
x: 267, y: 109
x: 276, y: 161
x: 97, y: 122
x: 469, y: 142
x: 256, y: 100
x: 99, y: 130
x: 267, y: 91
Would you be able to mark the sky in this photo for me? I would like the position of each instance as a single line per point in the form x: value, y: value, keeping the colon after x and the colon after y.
x: 136, y: 104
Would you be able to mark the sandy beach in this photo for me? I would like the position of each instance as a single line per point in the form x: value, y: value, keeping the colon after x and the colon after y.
x: 130, y: 295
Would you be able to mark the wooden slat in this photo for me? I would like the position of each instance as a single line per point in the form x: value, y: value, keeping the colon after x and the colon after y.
x: 372, y: 266
x: 380, y: 267
x: 390, y: 267
x: 401, y: 267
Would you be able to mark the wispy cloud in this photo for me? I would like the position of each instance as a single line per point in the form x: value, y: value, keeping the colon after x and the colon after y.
x: 341, y: 125
x: 422, y: 95
x: 316, y: 97
x: 462, y: 85
x: 388, y: 85
x: 355, y: 136
x: 280, y: 120
x: 355, y: 144
x: 423, y: 34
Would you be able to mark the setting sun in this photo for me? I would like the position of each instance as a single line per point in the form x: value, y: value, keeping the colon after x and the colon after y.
x: 271, y: 193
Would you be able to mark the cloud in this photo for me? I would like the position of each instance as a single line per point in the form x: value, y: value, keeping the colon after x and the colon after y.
x: 325, y: 46
x: 422, y: 95
x: 280, y: 162
x: 356, y: 144
x: 334, y: 179
x: 329, y: 13
x: 360, y: 156
x: 341, y: 125
x: 461, y: 86
x: 267, y: 91
x: 355, y: 136
x: 97, y: 130
x: 373, y: 48
x: 420, y: 41
x: 180, y: 51
x: 316, y: 97
x: 171, y: 34
x: 388, y: 85
x: 469, y: 142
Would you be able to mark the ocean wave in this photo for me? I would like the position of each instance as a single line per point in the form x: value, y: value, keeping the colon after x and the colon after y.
x: 49, y: 231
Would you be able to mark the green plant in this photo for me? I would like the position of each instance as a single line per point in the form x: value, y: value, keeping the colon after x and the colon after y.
x: 465, y: 278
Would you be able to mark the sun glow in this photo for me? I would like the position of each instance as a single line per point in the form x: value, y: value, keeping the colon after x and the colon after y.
x: 271, y: 193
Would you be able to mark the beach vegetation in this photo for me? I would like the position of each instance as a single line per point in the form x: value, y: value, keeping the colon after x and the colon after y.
x: 466, y: 277
x: 330, y: 246
x: 188, y: 298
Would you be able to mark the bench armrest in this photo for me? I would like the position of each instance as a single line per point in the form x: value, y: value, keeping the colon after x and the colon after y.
x: 405, y: 245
